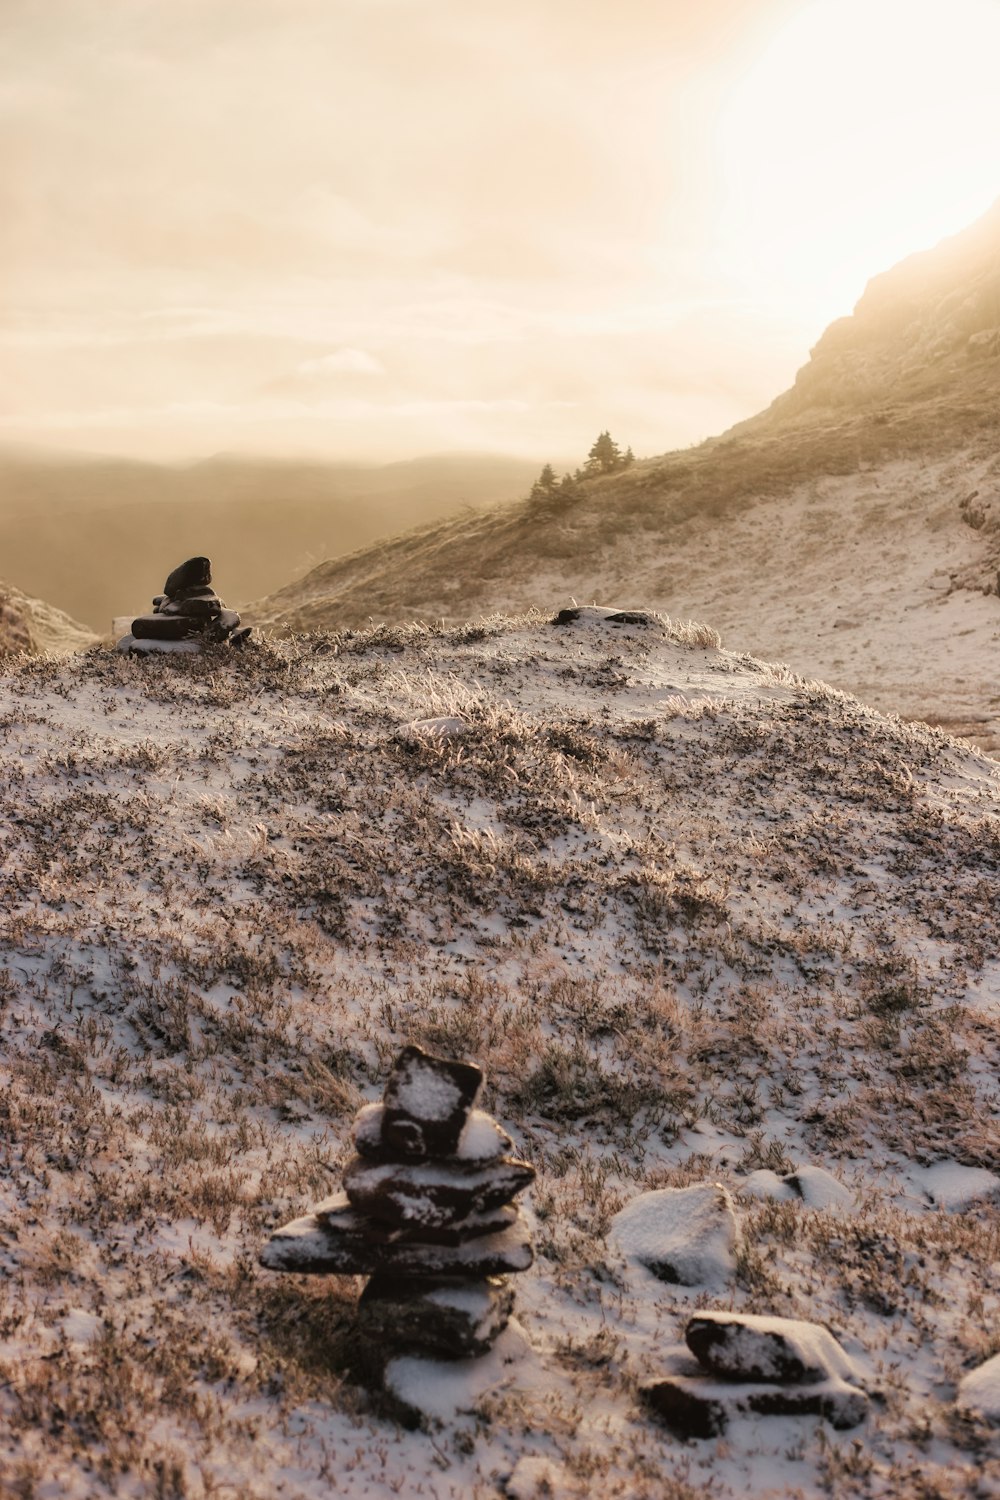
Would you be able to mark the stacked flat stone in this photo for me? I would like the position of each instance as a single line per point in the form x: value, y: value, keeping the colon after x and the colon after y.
x: 427, y: 1213
x: 747, y: 1365
x: 188, y: 610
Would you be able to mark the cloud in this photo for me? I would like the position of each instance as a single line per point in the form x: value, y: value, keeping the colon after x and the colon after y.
x: 340, y: 362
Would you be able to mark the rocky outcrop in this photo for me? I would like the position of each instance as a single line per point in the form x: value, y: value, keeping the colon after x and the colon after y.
x: 916, y: 324
x: 29, y: 625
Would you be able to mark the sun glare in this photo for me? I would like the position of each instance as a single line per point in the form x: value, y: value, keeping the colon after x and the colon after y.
x: 866, y: 130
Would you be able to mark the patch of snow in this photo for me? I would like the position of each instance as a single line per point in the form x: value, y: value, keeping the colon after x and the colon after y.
x: 441, y: 1389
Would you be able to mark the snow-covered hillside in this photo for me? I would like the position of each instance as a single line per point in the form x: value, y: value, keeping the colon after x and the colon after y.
x: 699, y: 920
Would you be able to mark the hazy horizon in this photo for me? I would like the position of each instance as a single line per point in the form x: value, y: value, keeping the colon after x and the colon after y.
x: 387, y: 228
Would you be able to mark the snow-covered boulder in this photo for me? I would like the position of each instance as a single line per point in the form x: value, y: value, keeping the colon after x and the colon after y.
x: 955, y: 1188
x: 979, y: 1391
x: 688, y: 1236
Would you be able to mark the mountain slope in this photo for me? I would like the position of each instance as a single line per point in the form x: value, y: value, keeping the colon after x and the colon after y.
x: 699, y: 921
x: 31, y: 625
x: 853, y: 529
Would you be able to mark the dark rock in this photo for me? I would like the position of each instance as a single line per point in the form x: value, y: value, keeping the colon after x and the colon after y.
x: 335, y: 1239
x: 183, y: 596
x: 702, y: 1407
x: 566, y: 617
x: 450, y: 1319
x: 195, y: 609
x: 224, y: 623
x: 471, y: 1228
x: 432, y: 1193
x: 163, y: 628
x: 630, y: 617
x: 427, y: 1101
x: 482, y: 1140
x: 686, y: 1409
x: 196, y: 573
x: 741, y: 1346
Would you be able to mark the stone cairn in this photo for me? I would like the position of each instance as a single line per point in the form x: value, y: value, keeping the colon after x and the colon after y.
x: 189, y: 611
x: 427, y: 1214
x: 747, y: 1365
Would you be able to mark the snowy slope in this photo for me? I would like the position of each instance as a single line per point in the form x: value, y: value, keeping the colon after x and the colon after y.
x: 698, y: 920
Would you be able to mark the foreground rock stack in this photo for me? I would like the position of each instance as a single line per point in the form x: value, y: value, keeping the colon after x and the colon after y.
x: 427, y: 1213
x: 188, y: 615
x: 745, y: 1365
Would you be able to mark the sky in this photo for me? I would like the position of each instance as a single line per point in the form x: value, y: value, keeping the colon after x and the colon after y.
x: 370, y: 229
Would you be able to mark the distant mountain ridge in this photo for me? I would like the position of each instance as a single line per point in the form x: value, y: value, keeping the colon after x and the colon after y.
x: 846, y: 526
x: 97, y: 535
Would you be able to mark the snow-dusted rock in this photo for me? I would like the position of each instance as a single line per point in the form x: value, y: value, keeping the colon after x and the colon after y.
x: 432, y: 1194
x: 979, y: 1391
x: 688, y: 1236
x: 440, y: 1389
x: 448, y: 1319
x: 702, y: 1407
x: 337, y: 1240
x: 955, y: 1188
x: 818, y: 1188
x: 811, y: 1185
x: 745, y: 1346
x: 765, y: 1184
x: 599, y: 614
x: 482, y: 1140
x: 427, y: 1102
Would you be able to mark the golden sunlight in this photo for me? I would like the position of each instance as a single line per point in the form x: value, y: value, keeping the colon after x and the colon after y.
x: 866, y: 130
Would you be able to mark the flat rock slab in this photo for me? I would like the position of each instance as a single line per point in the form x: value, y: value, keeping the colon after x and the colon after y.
x: 702, y: 1407
x: 449, y: 1319
x: 686, y: 1236
x: 432, y: 1194
x: 744, y: 1346
x: 600, y: 614
x: 336, y: 1240
x: 482, y: 1140
x: 160, y: 627
x: 979, y: 1391
x: 133, y: 646
x: 427, y: 1102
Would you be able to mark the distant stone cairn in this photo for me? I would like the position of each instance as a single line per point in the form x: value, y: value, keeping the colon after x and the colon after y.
x: 188, y: 615
x: 427, y: 1214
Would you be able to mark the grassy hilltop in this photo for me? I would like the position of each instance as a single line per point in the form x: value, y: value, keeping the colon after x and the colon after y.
x: 696, y: 917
